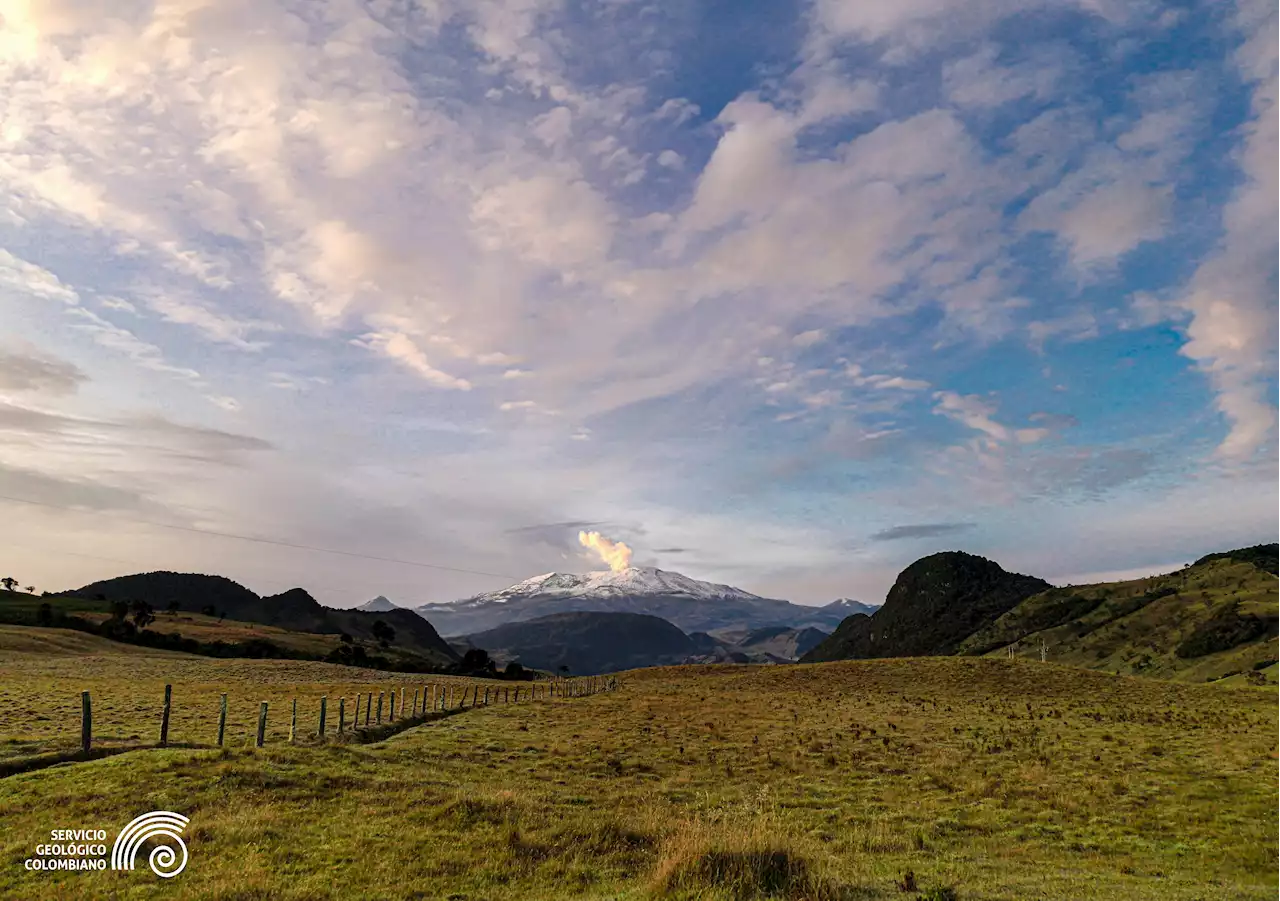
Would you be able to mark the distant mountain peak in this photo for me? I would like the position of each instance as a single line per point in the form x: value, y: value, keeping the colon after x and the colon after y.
x: 380, y: 604
x: 632, y: 581
x: 689, y: 603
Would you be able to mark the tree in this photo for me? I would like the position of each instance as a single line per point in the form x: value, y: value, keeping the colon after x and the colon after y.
x: 515, y: 670
x: 44, y: 615
x: 383, y: 633
x: 345, y: 638
x: 8, y: 582
x: 143, y: 615
x: 173, y: 607
x: 564, y: 669
x: 30, y: 589
x: 119, y: 610
x: 476, y: 660
x: 209, y: 610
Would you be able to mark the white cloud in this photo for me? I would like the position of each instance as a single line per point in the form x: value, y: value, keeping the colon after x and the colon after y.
x: 1231, y: 297
x: 21, y: 277
x: 401, y: 348
x: 976, y: 413
x: 978, y: 81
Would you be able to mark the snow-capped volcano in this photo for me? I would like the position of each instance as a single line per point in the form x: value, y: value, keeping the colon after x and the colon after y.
x: 693, y: 605
x: 848, y: 606
x: 634, y: 580
x: 378, y: 605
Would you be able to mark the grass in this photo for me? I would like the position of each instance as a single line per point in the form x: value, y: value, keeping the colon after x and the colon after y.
x: 43, y: 671
x: 989, y: 779
x: 1135, y: 627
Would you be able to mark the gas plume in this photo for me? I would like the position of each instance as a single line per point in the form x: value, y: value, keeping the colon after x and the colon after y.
x: 614, y: 553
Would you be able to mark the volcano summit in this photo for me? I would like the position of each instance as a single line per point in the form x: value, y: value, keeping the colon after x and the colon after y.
x: 690, y: 604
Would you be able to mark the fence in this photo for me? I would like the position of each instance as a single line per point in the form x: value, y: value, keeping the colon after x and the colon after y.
x: 428, y: 699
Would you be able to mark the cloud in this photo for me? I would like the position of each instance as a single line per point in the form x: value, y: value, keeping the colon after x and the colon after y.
x: 923, y: 530
x: 978, y: 81
x: 1231, y: 297
x: 975, y: 413
x: 27, y: 372
x: 219, y: 328
x: 444, y: 213
x: 17, y: 275
x: 401, y: 348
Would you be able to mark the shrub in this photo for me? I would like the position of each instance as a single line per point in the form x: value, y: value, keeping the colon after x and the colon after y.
x: 1226, y: 629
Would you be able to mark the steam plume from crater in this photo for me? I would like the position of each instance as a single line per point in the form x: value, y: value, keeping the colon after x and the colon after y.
x: 614, y: 553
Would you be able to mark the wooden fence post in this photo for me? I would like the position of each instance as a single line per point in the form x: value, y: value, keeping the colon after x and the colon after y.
x: 391, y: 713
x: 380, y: 697
x: 368, y: 707
x: 86, y: 723
x: 262, y: 723
x: 342, y: 715
x: 415, y: 703
x: 355, y: 723
x: 324, y: 709
x: 293, y: 721
x: 222, y: 719
x: 164, y: 717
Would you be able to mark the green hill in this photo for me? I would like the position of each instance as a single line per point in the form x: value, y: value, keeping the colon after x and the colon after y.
x: 935, y: 604
x: 294, y: 610
x: 587, y: 642
x: 1215, y: 617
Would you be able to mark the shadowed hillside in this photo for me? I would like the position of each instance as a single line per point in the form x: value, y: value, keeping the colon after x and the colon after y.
x: 587, y: 642
x: 935, y: 604
x: 295, y: 609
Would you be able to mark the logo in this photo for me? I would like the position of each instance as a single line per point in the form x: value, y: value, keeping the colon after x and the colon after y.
x: 85, y: 849
x: 164, y: 860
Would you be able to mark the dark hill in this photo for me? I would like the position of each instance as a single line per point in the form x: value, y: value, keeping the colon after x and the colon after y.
x: 934, y: 605
x: 1262, y: 556
x: 588, y: 642
x: 294, y: 609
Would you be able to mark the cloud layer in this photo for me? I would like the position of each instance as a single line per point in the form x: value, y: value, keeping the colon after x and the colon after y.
x: 408, y: 277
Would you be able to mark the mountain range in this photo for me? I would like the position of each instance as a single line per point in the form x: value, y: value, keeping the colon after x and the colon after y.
x: 294, y: 609
x: 592, y: 642
x: 1214, y: 617
x: 378, y: 605
x: 689, y: 604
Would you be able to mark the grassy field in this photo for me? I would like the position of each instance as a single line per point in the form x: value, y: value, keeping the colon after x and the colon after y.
x: 1135, y: 627
x: 43, y: 671
x: 997, y: 779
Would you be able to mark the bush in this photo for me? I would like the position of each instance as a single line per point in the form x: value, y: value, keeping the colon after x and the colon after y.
x: 1226, y: 629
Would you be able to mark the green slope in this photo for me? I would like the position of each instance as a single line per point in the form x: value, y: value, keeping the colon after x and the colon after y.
x: 1216, y: 617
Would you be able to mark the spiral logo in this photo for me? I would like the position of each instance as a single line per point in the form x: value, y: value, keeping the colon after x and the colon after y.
x: 167, y: 859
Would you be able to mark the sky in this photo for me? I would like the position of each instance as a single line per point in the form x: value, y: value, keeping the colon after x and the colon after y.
x: 397, y: 297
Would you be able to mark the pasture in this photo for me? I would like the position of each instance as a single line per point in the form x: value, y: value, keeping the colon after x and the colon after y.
x: 934, y: 778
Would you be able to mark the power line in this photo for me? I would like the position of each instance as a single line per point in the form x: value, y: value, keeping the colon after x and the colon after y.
x: 379, y: 584
x: 271, y: 541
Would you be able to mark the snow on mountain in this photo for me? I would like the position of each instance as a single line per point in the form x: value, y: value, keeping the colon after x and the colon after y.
x: 634, y: 580
x: 691, y: 604
x: 849, y: 607
x: 378, y: 605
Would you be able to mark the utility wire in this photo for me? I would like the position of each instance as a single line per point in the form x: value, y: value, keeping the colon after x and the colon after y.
x: 379, y: 584
x: 271, y: 541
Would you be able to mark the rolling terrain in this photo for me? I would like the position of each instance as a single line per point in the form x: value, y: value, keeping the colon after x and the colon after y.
x: 689, y: 604
x: 593, y: 642
x: 957, y: 777
x: 935, y: 603
x: 294, y: 610
x: 1212, y: 619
